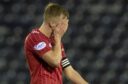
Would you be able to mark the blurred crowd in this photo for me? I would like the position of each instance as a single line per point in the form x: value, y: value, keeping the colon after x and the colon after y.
x: 96, y: 42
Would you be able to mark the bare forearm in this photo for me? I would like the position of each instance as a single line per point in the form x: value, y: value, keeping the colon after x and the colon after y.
x: 76, y: 78
x: 57, y: 32
x: 57, y: 51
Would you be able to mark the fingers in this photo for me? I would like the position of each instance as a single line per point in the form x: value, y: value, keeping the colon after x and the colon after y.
x: 59, y: 28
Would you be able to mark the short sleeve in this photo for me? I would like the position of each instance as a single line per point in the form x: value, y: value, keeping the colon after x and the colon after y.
x: 40, y: 45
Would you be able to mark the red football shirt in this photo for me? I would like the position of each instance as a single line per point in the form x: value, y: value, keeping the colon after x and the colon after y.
x: 40, y: 72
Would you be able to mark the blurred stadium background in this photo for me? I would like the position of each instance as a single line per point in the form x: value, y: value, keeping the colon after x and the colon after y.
x: 96, y: 42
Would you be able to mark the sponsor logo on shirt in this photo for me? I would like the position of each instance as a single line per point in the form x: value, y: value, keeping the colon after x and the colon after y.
x: 40, y: 46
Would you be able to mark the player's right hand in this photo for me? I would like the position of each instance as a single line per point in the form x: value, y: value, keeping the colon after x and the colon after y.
x: 59, y: 31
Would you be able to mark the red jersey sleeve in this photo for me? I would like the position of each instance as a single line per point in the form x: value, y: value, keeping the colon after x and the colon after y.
x: 40, y: 44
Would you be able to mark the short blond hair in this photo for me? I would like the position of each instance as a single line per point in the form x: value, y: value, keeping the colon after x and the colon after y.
x: 53, y: 10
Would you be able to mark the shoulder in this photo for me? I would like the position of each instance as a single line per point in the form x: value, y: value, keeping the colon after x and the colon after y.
x: 35, y: 35
x: 31, y: 37
x: 36, y: 39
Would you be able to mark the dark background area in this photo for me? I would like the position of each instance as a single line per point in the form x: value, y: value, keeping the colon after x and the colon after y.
x: 96, y: 42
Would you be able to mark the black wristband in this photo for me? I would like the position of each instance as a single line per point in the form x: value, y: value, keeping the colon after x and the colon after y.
x: 65, y: 62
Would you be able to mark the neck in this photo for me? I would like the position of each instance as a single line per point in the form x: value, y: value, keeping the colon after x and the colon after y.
x: 45, y: 29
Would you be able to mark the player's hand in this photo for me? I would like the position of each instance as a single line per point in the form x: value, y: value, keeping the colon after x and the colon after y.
x: 59, y: 31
